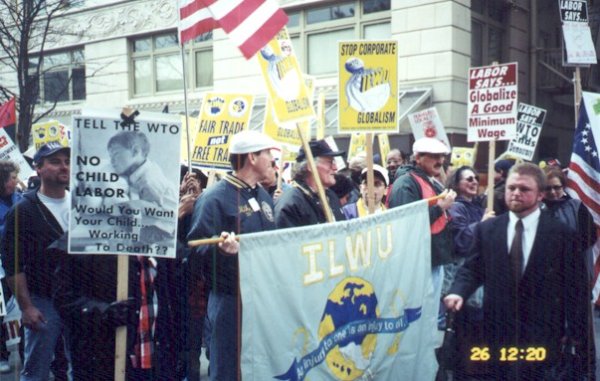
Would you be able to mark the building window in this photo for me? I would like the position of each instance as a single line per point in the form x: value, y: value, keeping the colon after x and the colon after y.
x: 315, y: 32
x: 62, y: 76
x: 157, y: 68
x: 487, y: 31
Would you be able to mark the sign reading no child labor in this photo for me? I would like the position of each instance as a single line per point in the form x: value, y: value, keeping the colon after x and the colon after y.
x: 529, y: 129
x: 368, y: 78
x: 125, y: 183
x: 492, y: 103
x: 221, y: 117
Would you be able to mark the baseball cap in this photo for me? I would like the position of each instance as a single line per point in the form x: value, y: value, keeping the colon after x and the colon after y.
x: 318, y: 148
x: 503, y: 165
x: 49, y: 149
x: 249, y: 141
x: 377, y: 169
x: 430, y: 145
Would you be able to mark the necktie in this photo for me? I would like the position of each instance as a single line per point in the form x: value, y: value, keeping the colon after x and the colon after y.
x: 516, y: 251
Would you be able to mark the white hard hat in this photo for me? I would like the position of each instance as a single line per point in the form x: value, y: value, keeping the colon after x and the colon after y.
x: 430, y: 145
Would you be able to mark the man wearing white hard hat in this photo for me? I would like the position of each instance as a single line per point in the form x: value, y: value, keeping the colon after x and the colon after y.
x: 417, y: 183
x: 235, y: 205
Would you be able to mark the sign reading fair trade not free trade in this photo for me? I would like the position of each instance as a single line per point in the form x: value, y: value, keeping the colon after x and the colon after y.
x: 492, y: 102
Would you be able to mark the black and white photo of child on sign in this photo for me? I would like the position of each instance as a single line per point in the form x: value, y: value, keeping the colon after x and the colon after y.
x: 126, y: 186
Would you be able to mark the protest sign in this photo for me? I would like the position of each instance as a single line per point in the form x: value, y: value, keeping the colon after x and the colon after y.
x: 185, y: 139
x: 51, y: 131
x: 580, y: 49
x: 285, y: 133
x: 492, y: 103
x: 462, y: 156
x: 292, y: 101
x: 427, y: 123
x: 529, y: 128
x: 384, y: 148
x: 221, y: 116
x: 358, y: 144
x: 125, y: 183
x: 368, y: 86
x: 12, y: 322
x: 9, y: 151
x: 354, y: 300
x: 573, y: 11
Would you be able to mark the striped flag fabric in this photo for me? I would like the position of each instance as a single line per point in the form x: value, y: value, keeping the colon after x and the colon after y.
x: 8, y: 118
x: 251, y: 24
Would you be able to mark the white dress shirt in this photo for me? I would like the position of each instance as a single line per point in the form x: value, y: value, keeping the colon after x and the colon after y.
x: 530, y: 224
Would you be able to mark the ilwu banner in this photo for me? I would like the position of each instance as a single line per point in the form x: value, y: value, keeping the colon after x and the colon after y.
x: 343, y: 301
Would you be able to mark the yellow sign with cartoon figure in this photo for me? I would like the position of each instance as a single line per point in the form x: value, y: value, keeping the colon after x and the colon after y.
x: 221, y: 117
x: 52, y: 131
x: 285, y: 83
x: 384, y: 147
x: 462, y: 156
x: 368, y: 85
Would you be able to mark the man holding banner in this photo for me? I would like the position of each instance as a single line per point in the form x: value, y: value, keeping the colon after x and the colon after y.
x: 234, y: 205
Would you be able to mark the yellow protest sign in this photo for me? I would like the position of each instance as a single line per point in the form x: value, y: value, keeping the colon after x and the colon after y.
x: 51, y: 131
x: 462, y: 156
x: 221, y: 116
x: 285, y: 84
x: 384, y: 147
x: 358, y: 144
x: 285, y: 133
x: 184, y: 136
x: 367, y: 91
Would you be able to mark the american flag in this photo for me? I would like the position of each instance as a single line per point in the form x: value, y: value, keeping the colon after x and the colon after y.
x: 250, y: 24
x: 8, y: 117
x: 583, y: 179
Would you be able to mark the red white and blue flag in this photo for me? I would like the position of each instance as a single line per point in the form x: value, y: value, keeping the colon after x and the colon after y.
x: 8, y: 118
x: 250, y: 24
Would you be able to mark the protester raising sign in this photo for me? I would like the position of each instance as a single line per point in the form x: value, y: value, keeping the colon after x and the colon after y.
x: 125, y: 183
x: 221, y: 116
x: 529, y: 129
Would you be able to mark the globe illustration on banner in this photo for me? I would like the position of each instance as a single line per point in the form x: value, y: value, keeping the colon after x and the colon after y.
x: 352, y: 299
x: 367, y: 90
x: 282, y: 76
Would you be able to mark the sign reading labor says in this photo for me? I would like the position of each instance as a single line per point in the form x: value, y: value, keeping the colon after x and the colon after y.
x: 573, y: 10
x: 221, y: 117
x: 368, y: 78
x: 529, y: 129
x: 125, y: 183
x: 492, y: 103
x: 427, y: 123
x: 292, y: 101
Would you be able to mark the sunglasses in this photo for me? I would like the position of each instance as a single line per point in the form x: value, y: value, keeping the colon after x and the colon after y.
x: 471, y: 179
x: 553, y: 188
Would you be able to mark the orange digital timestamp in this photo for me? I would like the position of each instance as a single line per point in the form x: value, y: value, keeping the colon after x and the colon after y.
x: 509, y: 354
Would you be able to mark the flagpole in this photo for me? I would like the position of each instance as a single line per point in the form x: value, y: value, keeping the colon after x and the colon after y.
x: 185, y: 107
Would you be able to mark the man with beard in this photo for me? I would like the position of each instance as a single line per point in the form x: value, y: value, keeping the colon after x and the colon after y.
x: 300, y: 206
x: 536, y: 293
x: 31, y: 226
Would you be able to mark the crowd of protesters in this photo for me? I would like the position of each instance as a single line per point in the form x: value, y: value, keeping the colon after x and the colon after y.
x: 516, y: 276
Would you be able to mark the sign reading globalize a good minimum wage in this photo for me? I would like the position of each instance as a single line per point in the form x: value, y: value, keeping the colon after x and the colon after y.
x: 354, y: 300
x: 124, y: 183
x: 492, y: 103
x: 368, y: 86
x: 529, y: 129
x: 221, y: 116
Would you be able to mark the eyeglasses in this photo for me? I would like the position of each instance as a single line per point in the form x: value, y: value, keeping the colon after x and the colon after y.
x: 553, y: 188
x: 471, y: 179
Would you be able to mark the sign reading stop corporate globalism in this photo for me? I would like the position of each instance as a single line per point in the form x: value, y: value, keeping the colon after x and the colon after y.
x: 125, y: 183
x: 529, y: 129
x: 221, y: 116
x: 279, y: 65
x: 353, y: 300
x: 368, y: 78
x: 492, y: 103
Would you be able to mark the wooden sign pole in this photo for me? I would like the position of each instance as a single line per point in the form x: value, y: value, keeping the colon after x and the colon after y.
x: 121, y: 335
x: 490, y: 175
x: 370, y: 178
x: 315, y: 175
x: 577, y: 91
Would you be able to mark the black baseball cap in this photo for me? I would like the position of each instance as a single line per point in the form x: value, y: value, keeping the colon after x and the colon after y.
x: 318, y: 148
x: 49, y: 149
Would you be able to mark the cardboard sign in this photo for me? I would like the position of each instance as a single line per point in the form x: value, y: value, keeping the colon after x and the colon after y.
x: 492, y: 103
x: 292, y: 101
x: 579, y: 46
x: 9, y: 151
x: 221, y: 117
x: 368, y: 86
x: 529, y: 129
x: 124, y: 184
x: 358, y: 144
x: 384, y: 148
x: 51, y: 131
x: 573, y: 11
x: 427, y: 123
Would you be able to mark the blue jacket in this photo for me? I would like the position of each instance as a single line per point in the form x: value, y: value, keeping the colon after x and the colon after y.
x: 464, y: 215
x: 5, y: 207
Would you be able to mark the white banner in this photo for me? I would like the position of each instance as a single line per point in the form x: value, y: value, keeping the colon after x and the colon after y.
x: 348, y: 300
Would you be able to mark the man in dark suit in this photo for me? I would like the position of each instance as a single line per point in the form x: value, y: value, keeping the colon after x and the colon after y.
x: 536, y: 293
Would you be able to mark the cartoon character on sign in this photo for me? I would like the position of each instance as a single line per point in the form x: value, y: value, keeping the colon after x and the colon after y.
x: 238, y: 107
x: 281, y: 72
x: 367, y: 90
x: 352, y: 299
x: 215, y: 106
x: 40, y: 132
